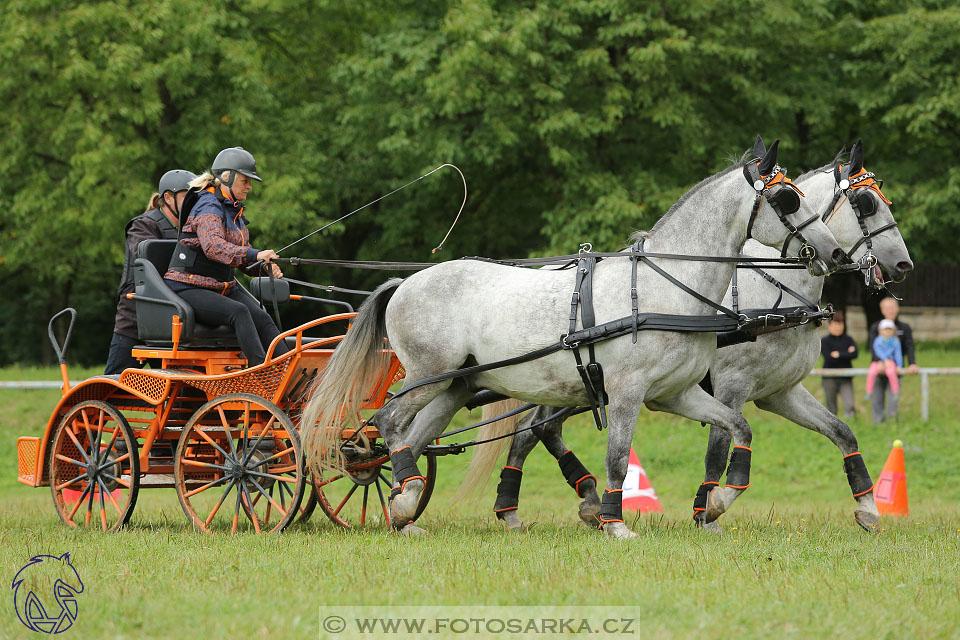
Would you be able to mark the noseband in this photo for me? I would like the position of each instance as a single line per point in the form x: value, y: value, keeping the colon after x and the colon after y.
x: 761, y: 184
x: 846, y: 189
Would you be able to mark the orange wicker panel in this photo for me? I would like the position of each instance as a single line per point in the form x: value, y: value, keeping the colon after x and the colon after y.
x: 398, y: 376
x: 262, y: 382
x: 27, y: 450
x: 151, y: 386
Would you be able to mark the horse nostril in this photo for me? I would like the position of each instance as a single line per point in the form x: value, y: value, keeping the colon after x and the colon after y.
x: 904, y: 267
x: 839, y: 255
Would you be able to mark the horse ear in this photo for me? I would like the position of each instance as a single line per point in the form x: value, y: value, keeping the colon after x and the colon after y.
x: 759, y: 150
x: 769, y: 158
x: 856, y: 158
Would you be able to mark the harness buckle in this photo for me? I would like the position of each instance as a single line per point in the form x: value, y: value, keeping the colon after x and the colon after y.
x: 568, y: 345
x: 585, y: 247
x: 773, y: 316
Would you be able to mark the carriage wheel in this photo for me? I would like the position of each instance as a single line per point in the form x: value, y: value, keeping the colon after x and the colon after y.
x: 361, y: 496
x: 94, y: 467
x: 239, y: 466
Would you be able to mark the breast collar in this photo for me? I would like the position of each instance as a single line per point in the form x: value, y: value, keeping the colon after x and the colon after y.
x: 762, y: 184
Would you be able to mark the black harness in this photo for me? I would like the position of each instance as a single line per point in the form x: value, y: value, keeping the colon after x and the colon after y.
x: 864, y: 205
x: 784, y: 201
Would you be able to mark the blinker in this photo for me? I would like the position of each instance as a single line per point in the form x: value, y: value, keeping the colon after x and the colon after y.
x: 866, y: 203
x: 787, y: 200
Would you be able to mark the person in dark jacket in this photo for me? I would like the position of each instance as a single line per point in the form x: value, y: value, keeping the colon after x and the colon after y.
x: 213, y: 242
x: 882, y: 394
x: 838, y: 350
x: 159, y: 221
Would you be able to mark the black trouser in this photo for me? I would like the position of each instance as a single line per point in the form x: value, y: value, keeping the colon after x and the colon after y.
x: 254, y: 327
x: 119, y: 357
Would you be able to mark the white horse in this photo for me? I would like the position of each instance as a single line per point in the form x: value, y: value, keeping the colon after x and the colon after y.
x: 468, y: 312
x: 767, y: 372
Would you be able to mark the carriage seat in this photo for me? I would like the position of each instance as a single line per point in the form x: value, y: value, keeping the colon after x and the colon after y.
x: 157, y: 304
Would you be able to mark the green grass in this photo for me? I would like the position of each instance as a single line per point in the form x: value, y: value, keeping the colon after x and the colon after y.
x: 791, y: 560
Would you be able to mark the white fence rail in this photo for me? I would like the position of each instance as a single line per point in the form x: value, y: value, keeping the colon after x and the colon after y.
x: 33, y: 384
x: 924, y: 373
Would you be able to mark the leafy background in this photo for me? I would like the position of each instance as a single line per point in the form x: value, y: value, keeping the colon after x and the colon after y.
x: 573, y: 120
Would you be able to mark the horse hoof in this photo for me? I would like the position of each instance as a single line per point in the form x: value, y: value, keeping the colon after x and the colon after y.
x: 403, y: 507
x: 715, y: 506
x: 590, y: 514
x: 868, y: 520
x: 412, y: 530
x: 512, y: 521
x: 713, y: 527
x: 618, y: 530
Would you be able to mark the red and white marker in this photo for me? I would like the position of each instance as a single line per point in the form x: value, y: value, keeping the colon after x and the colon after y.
x: 638, y: 494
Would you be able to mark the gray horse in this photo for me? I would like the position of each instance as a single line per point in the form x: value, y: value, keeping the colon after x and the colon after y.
x: 468, y: 312
x: 767, y: 372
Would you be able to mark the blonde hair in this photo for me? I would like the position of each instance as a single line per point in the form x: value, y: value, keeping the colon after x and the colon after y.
x: 153, y: 203
x: 203, y: 181
x: 206, y: 179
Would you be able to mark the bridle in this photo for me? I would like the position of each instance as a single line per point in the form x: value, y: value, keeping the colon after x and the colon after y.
x: 785, y: 201
x: 863, y: 206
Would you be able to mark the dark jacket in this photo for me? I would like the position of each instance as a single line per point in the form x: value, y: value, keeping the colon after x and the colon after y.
x: 840, y: 344
x: 150, y: 225
x: 217, y: 229
x: 906, y: 340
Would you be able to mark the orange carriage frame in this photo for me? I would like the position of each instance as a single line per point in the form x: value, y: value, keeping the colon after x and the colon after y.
x: 157, y: 406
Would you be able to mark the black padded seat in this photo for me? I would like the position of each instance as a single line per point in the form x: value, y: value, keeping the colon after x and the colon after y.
x: 157, y: 304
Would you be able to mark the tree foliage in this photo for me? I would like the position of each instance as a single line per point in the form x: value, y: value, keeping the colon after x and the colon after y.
x: 574, y: 120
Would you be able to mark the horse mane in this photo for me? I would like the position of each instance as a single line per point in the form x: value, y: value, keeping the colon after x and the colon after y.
x: 737, y: 164
x: 829, y: 166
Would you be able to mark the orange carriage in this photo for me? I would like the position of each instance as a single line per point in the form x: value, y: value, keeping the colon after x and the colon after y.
x: 224, y: 436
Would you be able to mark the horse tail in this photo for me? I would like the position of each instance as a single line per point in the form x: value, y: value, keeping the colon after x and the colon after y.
x: 485, y: 456
x: 357, y: 366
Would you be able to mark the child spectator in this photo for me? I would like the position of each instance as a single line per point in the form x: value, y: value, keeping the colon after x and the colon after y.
x: 886, y: 347
x: 838, y: 350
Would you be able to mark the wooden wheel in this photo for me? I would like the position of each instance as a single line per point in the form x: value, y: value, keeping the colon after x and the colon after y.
x: 239, y: 454
x: 94, y: 467
x: 361, y: 497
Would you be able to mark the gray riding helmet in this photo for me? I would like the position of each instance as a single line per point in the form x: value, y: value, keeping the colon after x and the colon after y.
x: 176, y: 180
x: 236, y: 159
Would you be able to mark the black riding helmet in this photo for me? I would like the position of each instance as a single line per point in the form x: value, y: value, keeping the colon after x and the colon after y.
x: 176, y: 180
x: 235, y: 160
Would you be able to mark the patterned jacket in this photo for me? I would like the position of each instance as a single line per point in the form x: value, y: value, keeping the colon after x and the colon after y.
x: 223, y: 237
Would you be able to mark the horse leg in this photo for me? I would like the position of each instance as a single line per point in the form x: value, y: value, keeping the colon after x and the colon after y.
x: 697, y: 404
x: 508, y: 491
x: 407, y: 426
x: 622, y: 423
x: 577, y: 476
x: 714, y: 462
x: 798, y: 405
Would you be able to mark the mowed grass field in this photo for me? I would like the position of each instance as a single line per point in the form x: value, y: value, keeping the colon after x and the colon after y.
x: 790, y: 561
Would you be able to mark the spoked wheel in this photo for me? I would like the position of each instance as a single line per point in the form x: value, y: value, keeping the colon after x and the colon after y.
x: 94, y: 467
x: 361, y: 496
x: 239, y: 466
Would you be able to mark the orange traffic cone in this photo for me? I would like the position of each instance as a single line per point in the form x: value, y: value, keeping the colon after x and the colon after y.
x: 890, y: 493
